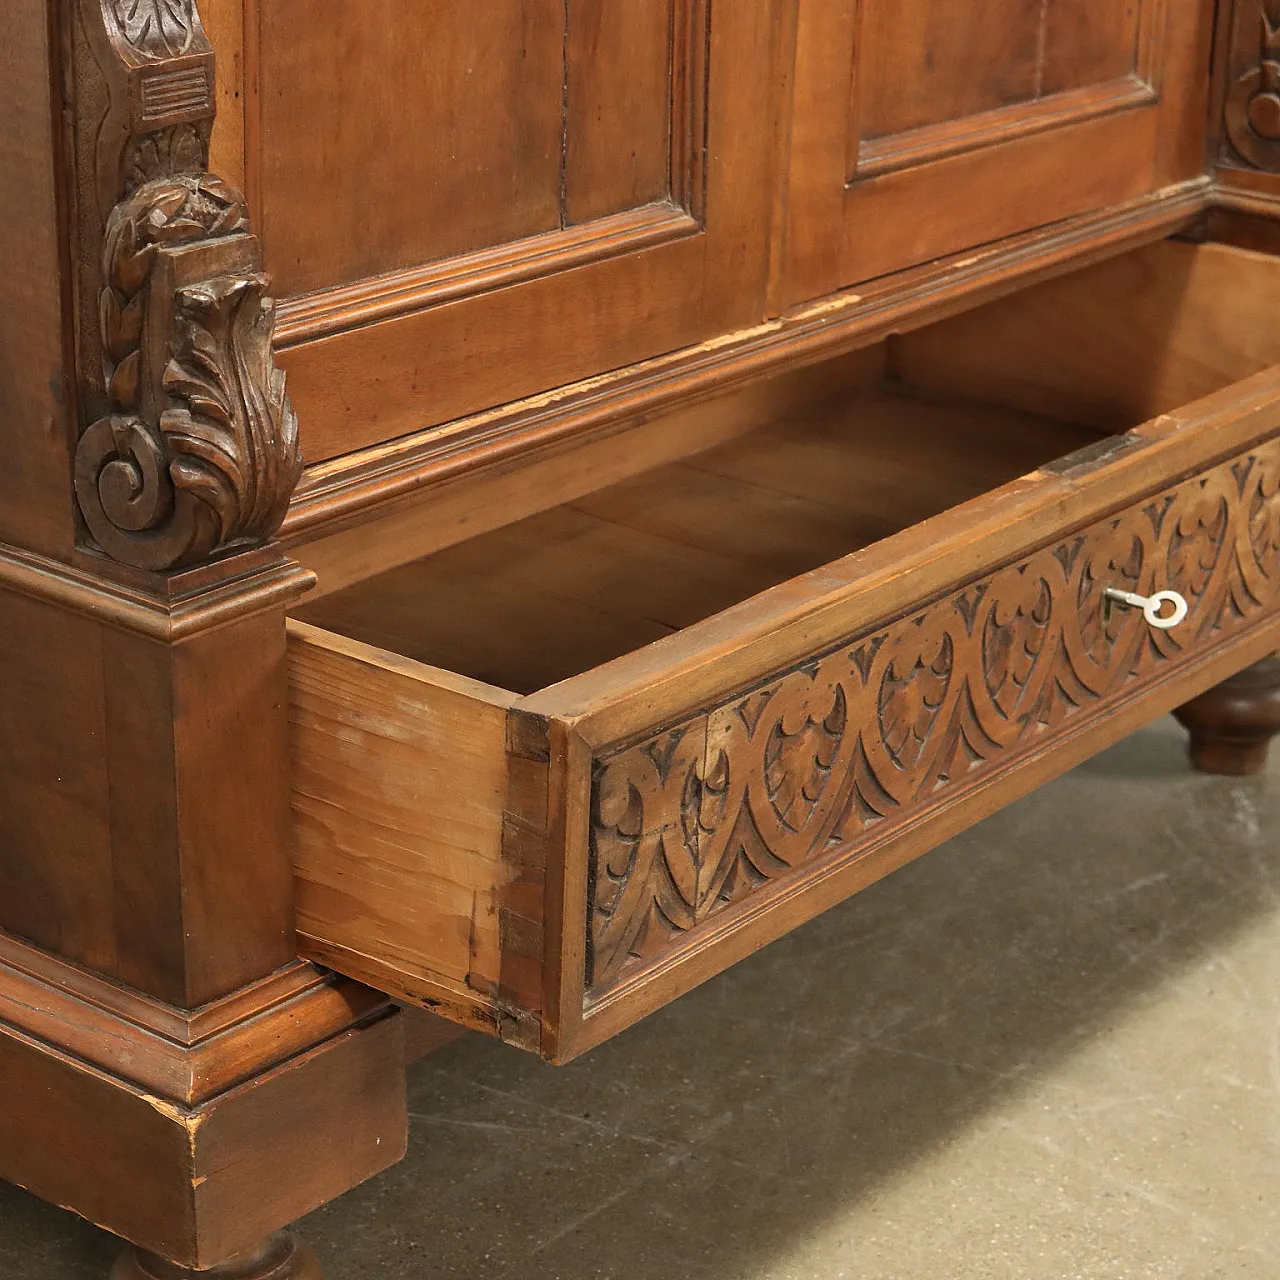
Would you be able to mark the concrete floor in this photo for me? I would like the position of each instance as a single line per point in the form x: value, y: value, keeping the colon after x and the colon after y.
x: 1049, y: 1051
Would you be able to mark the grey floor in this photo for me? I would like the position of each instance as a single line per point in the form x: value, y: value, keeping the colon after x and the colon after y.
x: 1049, y: 1051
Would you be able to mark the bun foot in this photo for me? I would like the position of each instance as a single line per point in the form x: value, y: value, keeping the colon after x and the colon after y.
x: 280, y: 1257
x: 1232, y: 725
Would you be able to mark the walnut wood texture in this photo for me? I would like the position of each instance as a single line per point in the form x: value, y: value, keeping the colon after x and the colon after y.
x: 503, y: 237
x: 517, y: 173
x: 128, y: 759
x: 1034, y: 111
x: 605, y: 573
x: 1232, y: 725
x: 724, y: 777
x: 36, y: 506
x: 476, y: 498
x: 455, y: 830
x: 370, y: 509
x: 872, y: 737
x: 145, y: 801
x: 161, y: 1047
x: 1043, y: 350
x: 187, y: 1057
x: 198, y: 1184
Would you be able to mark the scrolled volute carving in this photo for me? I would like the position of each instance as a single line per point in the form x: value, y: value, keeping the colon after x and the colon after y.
x: 199, y: 451
x: 190, y: 447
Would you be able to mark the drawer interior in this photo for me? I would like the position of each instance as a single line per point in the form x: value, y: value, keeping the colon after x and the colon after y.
x: 929, y: 419
x: 589, y: 580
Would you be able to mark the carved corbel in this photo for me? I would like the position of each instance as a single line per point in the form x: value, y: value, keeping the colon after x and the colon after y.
x: 1252, y: 109
x: 190, y: 446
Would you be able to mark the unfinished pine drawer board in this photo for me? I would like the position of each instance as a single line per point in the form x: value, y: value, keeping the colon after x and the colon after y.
x: 548, y: 779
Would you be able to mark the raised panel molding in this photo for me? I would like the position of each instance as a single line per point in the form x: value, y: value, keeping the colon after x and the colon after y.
x: 1043, y: 108
x: 825, y: 760
x: 667, y: 208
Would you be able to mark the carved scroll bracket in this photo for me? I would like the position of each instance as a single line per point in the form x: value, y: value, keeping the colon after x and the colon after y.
x: 190, y: 447
x: 1253, y: 101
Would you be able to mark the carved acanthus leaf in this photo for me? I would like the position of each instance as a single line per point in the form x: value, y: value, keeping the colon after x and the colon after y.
x: 200, y: 451
x: 190, y: 446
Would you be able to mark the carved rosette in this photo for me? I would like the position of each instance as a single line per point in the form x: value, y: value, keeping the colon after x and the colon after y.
x: 1252, y: 108
x: 191, y: 447
x: 857, y: 741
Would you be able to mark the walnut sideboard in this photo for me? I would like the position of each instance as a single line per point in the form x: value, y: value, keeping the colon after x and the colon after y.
x: 508, y: 508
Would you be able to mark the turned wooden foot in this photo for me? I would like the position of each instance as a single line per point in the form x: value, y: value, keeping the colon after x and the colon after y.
x: 281, y: 1257
x: 1232, y: 725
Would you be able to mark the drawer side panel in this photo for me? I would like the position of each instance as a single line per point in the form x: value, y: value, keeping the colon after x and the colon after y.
x: 418, y: 839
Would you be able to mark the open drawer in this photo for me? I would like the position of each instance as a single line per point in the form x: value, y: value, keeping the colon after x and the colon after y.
x: 551, y: 777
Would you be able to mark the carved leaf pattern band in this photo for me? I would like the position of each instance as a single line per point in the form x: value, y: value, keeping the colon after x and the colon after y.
x: 838, y: 751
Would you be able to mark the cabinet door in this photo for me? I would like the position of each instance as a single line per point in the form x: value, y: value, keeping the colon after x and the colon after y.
x: 921, y: 128
x: 465, y: 202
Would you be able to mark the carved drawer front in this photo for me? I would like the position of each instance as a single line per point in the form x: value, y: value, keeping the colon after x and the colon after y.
x: 572, y: 827
x: 825, y: 762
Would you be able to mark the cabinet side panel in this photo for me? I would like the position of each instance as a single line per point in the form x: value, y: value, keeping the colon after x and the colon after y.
x: 35, y: 481
x: 57, y: 880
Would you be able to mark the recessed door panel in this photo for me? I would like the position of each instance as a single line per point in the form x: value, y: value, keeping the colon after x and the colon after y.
x: 1087, y: 43
x: 462, y: 203
x: 921, y: 129
x: 448, y: 128
x: 922, y: 63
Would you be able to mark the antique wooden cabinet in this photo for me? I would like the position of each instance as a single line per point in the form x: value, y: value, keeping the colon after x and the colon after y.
x: 509, y: 508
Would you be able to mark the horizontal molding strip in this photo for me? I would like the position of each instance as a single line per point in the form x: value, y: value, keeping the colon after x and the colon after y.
x: 343, y: 490
x: 183, y: 1056
x: 197, y: 601
x: 971, y: 133
x: 353, y: 306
